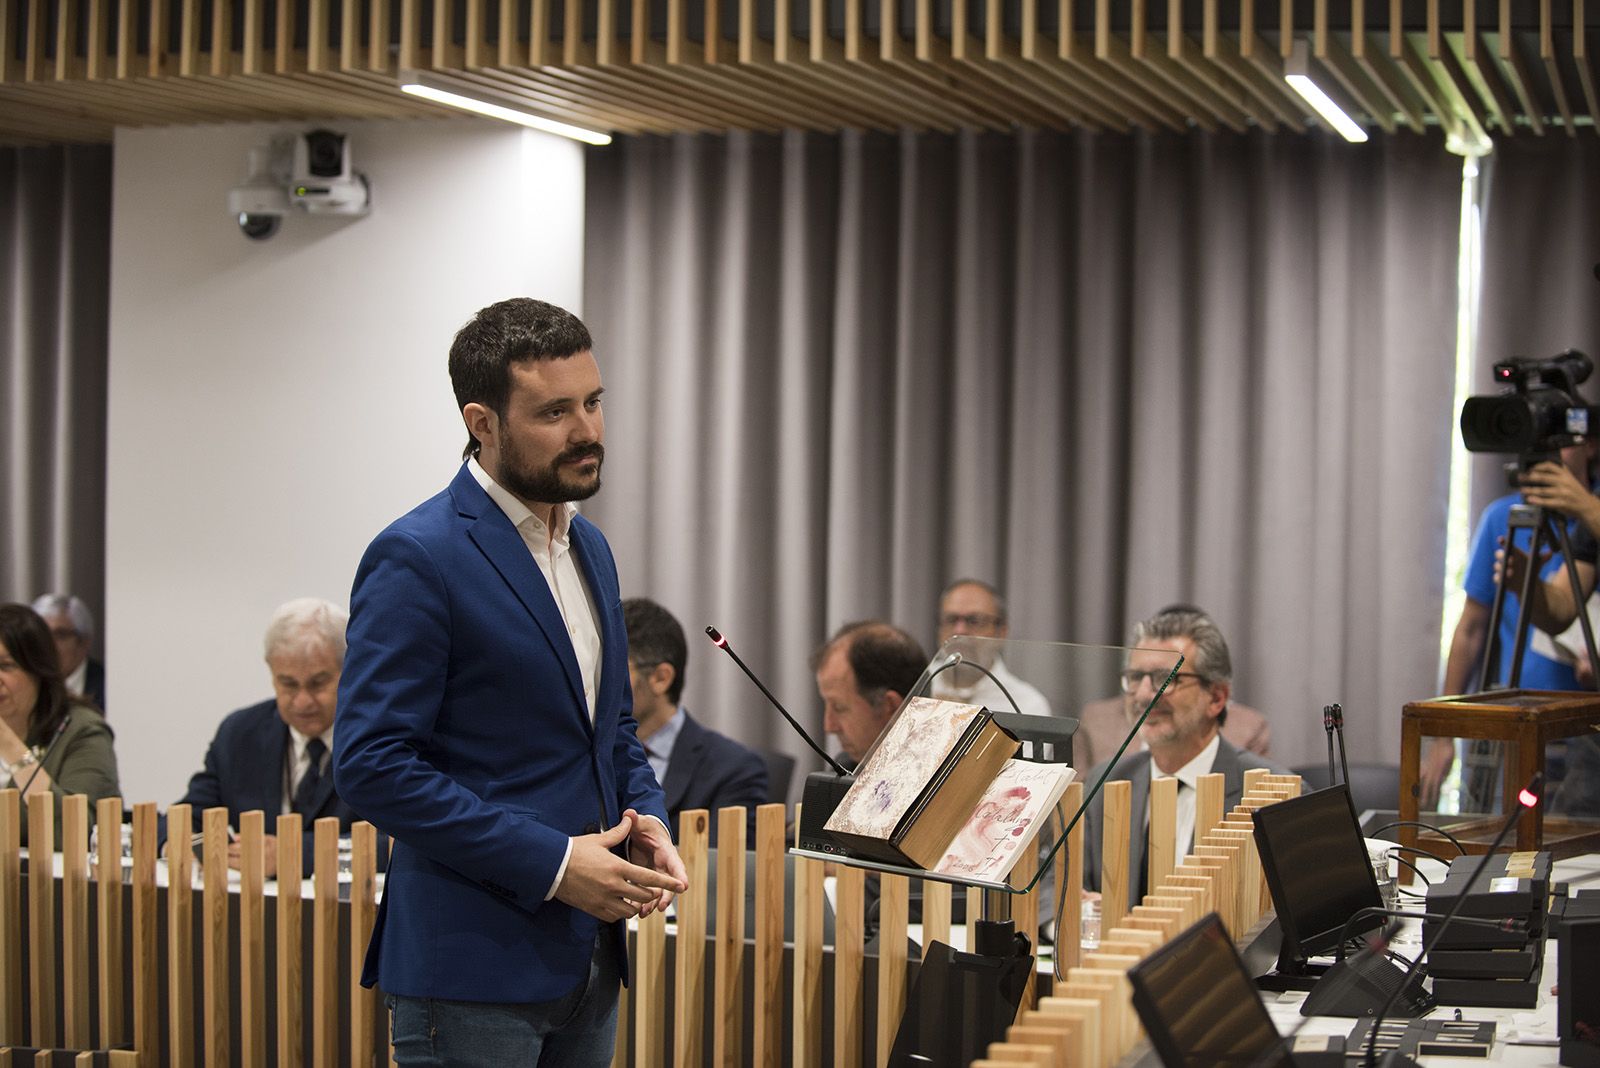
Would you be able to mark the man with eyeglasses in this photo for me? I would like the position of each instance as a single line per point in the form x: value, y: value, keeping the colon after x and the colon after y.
x: 72, y: 626
x: 970, y: 607
x: 1182, y: 734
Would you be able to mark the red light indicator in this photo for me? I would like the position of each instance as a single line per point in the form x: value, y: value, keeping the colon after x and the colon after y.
x: 1528, y: 798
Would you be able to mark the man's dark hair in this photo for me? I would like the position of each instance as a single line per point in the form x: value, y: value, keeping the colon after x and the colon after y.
x: 27, y: 641
x: 655, y: 637
x: 1212, y: 661
x: 999, y: 601
x: 500, y: 335
x: 883, y: 657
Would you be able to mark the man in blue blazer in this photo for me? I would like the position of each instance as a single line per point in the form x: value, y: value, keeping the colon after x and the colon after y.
x: 485, y: 723
x: 697, y: 767
x: 275, y: 756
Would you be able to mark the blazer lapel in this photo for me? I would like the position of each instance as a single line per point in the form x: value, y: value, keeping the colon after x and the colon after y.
x: 685, y: 760
x: 491, y: 530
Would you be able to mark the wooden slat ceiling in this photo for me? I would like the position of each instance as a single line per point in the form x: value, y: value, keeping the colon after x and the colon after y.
x: 73, y: 70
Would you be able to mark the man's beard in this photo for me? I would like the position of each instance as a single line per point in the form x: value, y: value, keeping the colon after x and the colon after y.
x: 548, y: 485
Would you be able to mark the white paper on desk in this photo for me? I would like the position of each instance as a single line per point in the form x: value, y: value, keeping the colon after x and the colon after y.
x: 1536, y: 1028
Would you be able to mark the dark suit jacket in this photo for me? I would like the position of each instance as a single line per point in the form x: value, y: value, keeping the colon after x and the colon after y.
x: 464, y: 733
x: 94, y: 684
x: 244, y: 772
x: 1230, y: 762
x: 710, y: 770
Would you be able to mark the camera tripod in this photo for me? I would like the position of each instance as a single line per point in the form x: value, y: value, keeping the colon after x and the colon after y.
x: 1479, y: 766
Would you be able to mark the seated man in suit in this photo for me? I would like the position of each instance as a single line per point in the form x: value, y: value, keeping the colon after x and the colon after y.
x: 72, y: 626
x: 696, y: 766
x: 1105, y: 723
x: 864, y: 672
x: 274, y: 755
x: 1182, y: 736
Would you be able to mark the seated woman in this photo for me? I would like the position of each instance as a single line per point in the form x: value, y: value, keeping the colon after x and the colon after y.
x: 34, y: 707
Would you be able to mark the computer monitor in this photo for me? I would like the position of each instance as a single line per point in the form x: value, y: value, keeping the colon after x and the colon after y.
x: 1319, y: 873
x: 1199, y: 1006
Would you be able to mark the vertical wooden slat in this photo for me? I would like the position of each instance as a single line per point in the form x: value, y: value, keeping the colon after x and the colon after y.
x: 67, y: 65
x: 253, y: 941
x: 350, y: 36
x: 728, y: 996
x: 11, y: 1023
x: 252, y: 60
x: 1117, y: 798
x: 619, y: 1049
x: 291, y: 964
x: 42, y: 922
x: 214, y: 934
x: 894, y: 896
x: 1069, y: 883
x: 848, y: 971
x: 76, y: 1000
x: 768, y: 1037
x: 180, y: 935
x: 937, y: 907
x: 1163, y: 830
x: 127, y: 20
x: 34, y: 64
x: 221, y: 38
x: 363, y: 914
x: 8, y: 63
x: 378, y: 38
x: 188, y: 38
x: 1025, y: 914
x: 283, y: 53
x: 1209, y: 798
x: 146, y: 977
x: 108, y: 876
x: 648, y: 992
x: 807, y: 1013
x: 477, y: 52
x: 317, y: 35
x: 325, y: 945
x: 689, y: 982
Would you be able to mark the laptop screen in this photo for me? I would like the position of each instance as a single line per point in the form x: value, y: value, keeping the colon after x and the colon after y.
x: 1200, y: 1006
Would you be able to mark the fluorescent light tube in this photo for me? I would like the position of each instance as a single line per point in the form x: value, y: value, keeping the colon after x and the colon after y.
x: 1297, y: 72
x: 479, y: 102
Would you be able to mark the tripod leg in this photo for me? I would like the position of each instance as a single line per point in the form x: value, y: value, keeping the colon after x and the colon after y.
x: 1541, y: 528
x: 1565, y: 541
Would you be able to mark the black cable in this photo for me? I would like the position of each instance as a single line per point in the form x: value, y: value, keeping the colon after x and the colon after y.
x: 1440, y: 831
x: 961, y: 661
x: 1416, y: 869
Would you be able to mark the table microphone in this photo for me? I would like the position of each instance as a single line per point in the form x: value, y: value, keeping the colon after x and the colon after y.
x: 51, y: 748
x: 823, y: 790
x: 1527, y: 798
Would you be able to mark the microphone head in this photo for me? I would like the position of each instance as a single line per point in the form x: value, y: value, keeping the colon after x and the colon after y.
x: 716, y: 637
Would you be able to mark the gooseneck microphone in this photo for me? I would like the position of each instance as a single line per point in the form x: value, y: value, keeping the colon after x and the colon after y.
x: 51, y: 748
x: 722, y: 643
x: 1527, y: 798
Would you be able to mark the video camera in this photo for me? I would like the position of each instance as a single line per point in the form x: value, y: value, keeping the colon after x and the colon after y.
x: 1539, y: 412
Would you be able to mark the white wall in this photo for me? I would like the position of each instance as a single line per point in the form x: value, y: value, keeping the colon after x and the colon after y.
x: 274, y: 404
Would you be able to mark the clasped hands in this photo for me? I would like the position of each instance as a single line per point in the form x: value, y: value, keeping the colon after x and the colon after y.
x: 610, y: 888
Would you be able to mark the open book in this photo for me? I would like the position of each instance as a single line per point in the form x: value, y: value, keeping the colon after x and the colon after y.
x: 1006, y: 821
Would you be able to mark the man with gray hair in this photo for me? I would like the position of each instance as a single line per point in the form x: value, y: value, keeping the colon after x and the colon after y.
x: 274, y: 755
x: 1182, y: 734
x: 72, y: 628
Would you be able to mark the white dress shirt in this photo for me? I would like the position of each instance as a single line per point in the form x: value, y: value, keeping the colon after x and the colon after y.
x: 1188, y: 778
x: 299, y: 762
x: 552, y: 551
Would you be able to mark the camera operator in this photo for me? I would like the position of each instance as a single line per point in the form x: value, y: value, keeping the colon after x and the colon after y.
x: 1560, y: 487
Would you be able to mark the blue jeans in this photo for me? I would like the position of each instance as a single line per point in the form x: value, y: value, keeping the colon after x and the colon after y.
x: 579, y: 1029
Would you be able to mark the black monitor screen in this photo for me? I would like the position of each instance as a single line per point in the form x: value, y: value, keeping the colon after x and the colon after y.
x: 1317, y: 869
x: 1198, y: 1004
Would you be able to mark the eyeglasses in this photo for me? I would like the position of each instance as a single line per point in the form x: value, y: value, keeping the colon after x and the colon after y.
x: 1131, y: 679
x: 973, y: 620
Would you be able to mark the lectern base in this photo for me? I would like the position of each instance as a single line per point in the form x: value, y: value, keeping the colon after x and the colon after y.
x: 962, y: 1002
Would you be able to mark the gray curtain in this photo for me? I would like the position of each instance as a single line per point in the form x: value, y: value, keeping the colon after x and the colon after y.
x: 55, y: 274
x: 1105, y: 372
x: 1541, y: 252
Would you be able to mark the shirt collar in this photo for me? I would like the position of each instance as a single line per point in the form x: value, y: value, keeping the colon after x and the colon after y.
x: 521, y: 514
x: 299, y: 742
x: 79, y: 679
x: 1190, y: 773
x: 661, y: 743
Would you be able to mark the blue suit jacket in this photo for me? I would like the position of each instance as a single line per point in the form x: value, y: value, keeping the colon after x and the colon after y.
x: 710, y: 771
x: 244, y: 772
x: 464, y: 733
